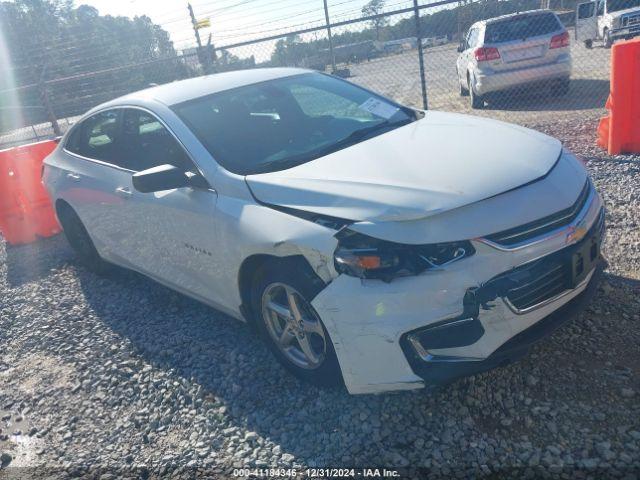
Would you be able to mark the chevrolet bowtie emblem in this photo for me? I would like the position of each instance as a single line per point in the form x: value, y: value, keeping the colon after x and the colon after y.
x: 575, y: 234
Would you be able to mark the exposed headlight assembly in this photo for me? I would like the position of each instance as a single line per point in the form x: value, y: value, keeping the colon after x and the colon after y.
x: 366, y: 257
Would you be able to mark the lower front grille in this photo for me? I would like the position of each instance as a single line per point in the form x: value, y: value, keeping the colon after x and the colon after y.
x: 541, y: 282
x: 531, y: 285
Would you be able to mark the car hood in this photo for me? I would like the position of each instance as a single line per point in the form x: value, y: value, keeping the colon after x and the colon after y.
x: 620, y: 13
x: 441, y: 162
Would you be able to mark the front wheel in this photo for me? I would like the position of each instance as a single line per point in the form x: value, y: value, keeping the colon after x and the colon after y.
x: 477, y: 101
x: 588, y: 44
x: 292, y: 329
x: 463, y: 91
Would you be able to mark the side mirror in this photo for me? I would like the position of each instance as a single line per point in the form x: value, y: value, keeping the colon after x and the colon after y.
x: 165, y: 177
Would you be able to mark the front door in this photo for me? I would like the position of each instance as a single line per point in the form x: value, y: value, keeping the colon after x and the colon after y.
x: 465, y: 57
x: 175, y: 231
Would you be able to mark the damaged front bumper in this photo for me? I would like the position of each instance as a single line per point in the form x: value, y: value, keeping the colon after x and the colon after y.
x: 474, y: 315
x: 442, y: 370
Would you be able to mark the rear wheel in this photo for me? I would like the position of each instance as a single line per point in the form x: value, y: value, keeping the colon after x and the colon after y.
x: 562, y: 87
x: 292, y: 329
x: 607, y: 41
x: 80, y: 241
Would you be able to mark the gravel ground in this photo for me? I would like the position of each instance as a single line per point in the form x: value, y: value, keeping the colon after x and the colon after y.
x: 120, y: 376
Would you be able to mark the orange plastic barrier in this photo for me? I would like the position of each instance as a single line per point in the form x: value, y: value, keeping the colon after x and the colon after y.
x: 25, y: 208
x: 619, y: 132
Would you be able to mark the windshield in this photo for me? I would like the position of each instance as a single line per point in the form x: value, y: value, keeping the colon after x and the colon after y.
x: 521, y: 27
x: 282, y: 123
x: 617, y: 5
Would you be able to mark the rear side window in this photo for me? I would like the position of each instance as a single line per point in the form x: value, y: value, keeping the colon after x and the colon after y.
x: 96, y: 136
x: 147, y: 143
x: 521, y: 27
x: 473, y: 38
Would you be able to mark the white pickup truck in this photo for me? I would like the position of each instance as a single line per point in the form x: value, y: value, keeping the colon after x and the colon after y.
x: 607, y: 20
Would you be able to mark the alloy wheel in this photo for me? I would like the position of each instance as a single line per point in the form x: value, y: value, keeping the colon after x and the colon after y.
x: 294, y: 326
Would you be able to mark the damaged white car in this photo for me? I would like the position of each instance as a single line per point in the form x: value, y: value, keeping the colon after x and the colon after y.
x: 367, y: 242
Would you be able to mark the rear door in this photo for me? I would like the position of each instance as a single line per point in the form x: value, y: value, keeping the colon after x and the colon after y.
x: 97, y: 185
x: 524, y: 40
x: 586, y: 21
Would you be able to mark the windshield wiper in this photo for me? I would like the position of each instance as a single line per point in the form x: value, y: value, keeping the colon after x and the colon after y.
x: 359, y: 135
x: 351, y: 139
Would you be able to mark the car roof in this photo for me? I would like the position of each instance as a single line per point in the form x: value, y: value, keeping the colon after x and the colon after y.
x: 510, y: 15
x: 185, y: 90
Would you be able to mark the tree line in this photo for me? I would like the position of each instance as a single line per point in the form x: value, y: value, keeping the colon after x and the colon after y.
x: 81, y: 58
x: 49, y: 40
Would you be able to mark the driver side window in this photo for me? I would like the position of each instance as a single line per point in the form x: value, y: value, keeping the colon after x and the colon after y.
x: 146, y: 143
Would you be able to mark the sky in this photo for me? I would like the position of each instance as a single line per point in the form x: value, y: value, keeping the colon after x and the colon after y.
x: 234, y: 21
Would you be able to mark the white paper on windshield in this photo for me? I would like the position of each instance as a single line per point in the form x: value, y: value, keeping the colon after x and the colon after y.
x: 378, y: 108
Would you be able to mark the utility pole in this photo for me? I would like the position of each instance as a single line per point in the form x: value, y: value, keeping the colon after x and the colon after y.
x: 202, y: 57
x: 211, y: 49
x: 333, y: 57
x: 423, y: 81
x: 46, y: 102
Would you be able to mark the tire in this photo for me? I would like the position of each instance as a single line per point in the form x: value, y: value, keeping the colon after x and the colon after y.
x: 274, y: 284
x: 80, y: 241
x: 588, y: 44
x: 607, y: 41
x: 463, y: 91
x: 476, y: 101
x: 563, y: 87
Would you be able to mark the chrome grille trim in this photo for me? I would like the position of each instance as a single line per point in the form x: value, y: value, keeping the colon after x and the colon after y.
x: 558, y: 286
x: 544, y: 228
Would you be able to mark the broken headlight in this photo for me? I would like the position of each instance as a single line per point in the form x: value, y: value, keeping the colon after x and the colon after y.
x: 366, y: 257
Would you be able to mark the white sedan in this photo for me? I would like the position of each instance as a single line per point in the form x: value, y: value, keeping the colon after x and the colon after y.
x: 368, y: 243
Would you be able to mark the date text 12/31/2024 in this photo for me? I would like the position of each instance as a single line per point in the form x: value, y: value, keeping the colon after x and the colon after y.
x: 316, y: 473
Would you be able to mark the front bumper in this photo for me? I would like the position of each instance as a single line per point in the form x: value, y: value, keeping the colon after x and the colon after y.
x: 492, y: 81
x: 445, y: 371
x: 625, y: 32
x: 369, y: 320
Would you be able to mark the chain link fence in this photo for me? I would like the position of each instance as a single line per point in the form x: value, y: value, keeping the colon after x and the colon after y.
x: 419, y: 54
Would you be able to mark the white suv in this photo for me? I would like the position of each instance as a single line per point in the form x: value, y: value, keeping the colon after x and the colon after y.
x: 513, y: 51
x: 362, y: 239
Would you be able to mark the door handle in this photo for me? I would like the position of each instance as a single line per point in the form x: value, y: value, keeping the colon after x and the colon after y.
x: 73, y: 176
x: 124, y: 192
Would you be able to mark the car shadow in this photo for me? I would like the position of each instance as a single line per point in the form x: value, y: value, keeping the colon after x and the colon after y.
x: 235, y: 370
x: 584, y: 94
x: 30, y: 262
